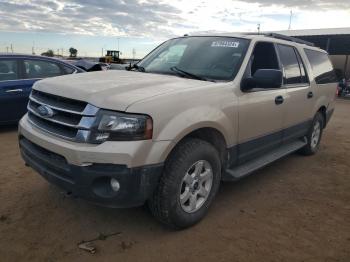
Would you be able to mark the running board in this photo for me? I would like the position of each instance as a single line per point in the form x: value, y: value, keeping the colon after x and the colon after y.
x: 246, y: 169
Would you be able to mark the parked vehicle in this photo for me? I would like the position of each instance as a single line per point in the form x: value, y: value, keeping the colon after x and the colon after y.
x: 105, y: 66
x: 344, y: 88
x: 17, y: 75
x: 195, y: 111
x: 88, y: 66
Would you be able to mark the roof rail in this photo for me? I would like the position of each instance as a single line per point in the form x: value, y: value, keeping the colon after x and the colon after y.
x: 285, y: 37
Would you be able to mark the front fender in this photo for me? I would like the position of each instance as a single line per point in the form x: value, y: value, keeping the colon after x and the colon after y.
x: 196, y: 118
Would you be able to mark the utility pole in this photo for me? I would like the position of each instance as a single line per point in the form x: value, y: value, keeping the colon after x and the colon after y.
x: 259, y: 29
x: 290, y: 20
x: 11, y: 47
x: 7, y: 49
x: 33, y: 48
x: 118, y: 44
x: 133, y: 53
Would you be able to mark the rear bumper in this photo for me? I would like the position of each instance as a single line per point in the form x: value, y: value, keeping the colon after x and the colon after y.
x: 93, y: 182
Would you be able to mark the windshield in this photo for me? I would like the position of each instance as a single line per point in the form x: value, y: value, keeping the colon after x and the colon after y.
x: 203, y: 58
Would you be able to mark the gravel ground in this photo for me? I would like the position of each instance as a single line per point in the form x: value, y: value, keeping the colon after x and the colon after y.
x: 297, y: 209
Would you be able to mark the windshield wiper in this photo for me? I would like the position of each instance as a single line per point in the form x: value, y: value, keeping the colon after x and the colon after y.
x: 137, y: 67
x: 188, y: 74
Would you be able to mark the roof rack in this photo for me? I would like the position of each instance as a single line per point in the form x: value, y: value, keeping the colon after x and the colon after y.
x: 284, y: 37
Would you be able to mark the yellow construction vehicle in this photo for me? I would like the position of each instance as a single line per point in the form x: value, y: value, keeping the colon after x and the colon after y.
x: 112, y: 56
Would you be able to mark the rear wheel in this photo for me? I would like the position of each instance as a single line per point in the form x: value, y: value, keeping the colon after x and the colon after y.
x: 314, y: 135
x: 189, y: 184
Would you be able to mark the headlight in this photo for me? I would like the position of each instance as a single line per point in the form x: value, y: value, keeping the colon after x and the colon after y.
x: 115, y: 126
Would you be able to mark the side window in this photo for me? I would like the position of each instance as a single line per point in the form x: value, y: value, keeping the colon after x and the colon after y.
x: 321, y: 66
x: 290, y: 64
x: 41, y: 69
x: 8, y: 70
x: 264, y: 57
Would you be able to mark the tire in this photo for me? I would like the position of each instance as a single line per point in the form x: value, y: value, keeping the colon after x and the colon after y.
x: 190, y: 157
x: 312, y: 145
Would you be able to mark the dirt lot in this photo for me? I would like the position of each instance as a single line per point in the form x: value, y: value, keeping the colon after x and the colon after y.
x: 297, y: 209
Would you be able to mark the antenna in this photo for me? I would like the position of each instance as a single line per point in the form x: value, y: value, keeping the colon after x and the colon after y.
x: 290, y: 20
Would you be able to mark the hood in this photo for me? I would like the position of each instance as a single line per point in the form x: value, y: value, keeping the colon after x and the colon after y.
x: 115, y: 90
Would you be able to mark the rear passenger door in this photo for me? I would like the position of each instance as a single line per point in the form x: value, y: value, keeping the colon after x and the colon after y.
x: 12, y: 93
x: 299, y: 95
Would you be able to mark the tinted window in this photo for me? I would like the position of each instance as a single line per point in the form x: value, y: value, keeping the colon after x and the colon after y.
x: 41, y: 69
x: 304, y: 77
x: 264, y: 57
x: 215, y: 58
x: 321, y: 66
x: 8, y: 70
x: 290, y: 64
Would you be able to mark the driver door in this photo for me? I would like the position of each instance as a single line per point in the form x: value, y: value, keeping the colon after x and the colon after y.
x: 261, y: 111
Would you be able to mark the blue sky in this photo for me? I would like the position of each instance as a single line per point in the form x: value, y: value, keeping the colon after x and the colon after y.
x: 90, y: 25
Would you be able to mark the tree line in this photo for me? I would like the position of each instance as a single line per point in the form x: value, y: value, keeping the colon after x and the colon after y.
x: 73, y: 52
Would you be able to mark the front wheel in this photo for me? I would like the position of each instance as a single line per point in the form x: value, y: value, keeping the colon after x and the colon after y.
x: 314, y: 136
x: 188, y: 185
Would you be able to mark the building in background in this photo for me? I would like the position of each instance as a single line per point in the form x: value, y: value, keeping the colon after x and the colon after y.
x: 336, y: 41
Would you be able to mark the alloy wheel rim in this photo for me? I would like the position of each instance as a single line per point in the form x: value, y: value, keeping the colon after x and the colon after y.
x: 196, y: 186
x: 315, y: 136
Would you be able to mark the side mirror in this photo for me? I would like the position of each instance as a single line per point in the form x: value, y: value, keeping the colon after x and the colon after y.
x: 263, y: 78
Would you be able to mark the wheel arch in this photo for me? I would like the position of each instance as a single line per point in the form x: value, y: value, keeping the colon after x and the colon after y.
x: 208, y: 134
x: 323, y: 111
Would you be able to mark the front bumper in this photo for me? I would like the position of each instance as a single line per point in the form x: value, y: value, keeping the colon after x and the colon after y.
x: 93, y: 182
x: 130, y: 153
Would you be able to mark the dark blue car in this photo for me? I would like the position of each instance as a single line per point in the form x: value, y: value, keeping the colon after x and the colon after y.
x: 18, y: 73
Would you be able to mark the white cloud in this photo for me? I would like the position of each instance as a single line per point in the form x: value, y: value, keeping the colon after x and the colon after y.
x: 165, y: 18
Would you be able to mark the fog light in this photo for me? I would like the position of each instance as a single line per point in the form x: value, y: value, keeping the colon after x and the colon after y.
x: 115, y: 184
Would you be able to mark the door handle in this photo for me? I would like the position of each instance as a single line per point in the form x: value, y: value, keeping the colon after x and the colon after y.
x: 310, y: 95
x: 19, y: 90
x: 279, y: 100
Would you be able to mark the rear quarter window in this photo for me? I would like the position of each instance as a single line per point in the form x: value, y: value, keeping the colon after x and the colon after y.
x: 321, y: 66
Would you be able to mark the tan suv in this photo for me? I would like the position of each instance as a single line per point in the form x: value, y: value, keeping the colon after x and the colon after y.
x: 196, y: 111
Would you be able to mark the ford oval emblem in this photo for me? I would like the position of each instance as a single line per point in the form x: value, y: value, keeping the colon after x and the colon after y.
x: 45, y: 111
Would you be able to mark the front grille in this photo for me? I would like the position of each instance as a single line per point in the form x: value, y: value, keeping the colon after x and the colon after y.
x: 67, y: 118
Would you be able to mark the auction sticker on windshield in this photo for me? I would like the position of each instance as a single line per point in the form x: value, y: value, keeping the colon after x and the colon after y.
x: 225, y: 44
